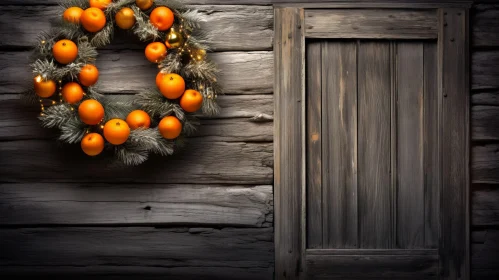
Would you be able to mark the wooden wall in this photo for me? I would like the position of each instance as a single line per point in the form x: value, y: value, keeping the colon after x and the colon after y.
x: 207, y: 211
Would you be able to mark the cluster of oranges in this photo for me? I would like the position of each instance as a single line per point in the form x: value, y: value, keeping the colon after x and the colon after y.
x: 91, y: 112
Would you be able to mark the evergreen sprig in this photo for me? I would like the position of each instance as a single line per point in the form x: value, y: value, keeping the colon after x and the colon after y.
x: 200, y: 75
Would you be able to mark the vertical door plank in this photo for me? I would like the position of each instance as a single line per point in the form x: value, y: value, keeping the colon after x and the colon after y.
x: 339, y: 146
x: 453, y: 52
x: 289, y: 168
x: 409, y: 139
x: 374, y: 89
x: 431, y: 150
x: 314, y: 146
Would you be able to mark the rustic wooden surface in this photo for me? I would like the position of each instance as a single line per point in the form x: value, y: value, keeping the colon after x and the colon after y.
x: 289, y: 109
x: 255, y: 101
x: 373, y: 24
x: 207, y: 211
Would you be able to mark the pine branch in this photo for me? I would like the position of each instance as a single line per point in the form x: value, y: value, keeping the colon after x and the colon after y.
x: 56, y: 116
x: 130, y: 154
x: 86, y: 52
x: 112, y: 8
x: 143, y: 28
x: 190, y: 125
x: 103, y: 37
x: 210, y: 107
x: 72, y: 131
x: 29, y: 97
x: 172, y: 63
x: 84, y: 4
x: 150, y: 139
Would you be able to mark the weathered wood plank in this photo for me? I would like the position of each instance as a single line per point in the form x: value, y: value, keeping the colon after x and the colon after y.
x: 485, y: 163
x: 485, y: 256
x: 484, y: 70
x: 431, y: 147
x: 374, y: 189
x: 20, y: 122
x: 339, y: 148
x: 372, y: 267
x: 200, y: 162
x: 485, y: 209
x: 485, y: 25
x: 251, y: 27
x: 289, y: 142
x: 314, y: 145
x: 84, y: 204
x: 455, y: 141
x: 485, y: 97
x: 410, y: 191
x: 128, y: 71
x: 372, y: 24
x: 485, y: 122
x: 177, y: 253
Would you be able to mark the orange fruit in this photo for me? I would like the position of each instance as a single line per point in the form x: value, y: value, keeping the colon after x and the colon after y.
x: 91, y: 112
x: 191, y: 101
x: 88, y: 76
x: 116, y: 131
x: 100, y: 4
x: 72, y: 14
x: 93, y: 19
x: 72, y: 93
x: 172, y: 86
x: 159, y: 78
x: 125, y: 18
x: 161, y: 18
x: 138, y: 118
x: 43, y: 88
x: 155, y: 52
x: 92, y: 144
x: 170, y: 127
x: 144, y: 4
x: 65, y: 51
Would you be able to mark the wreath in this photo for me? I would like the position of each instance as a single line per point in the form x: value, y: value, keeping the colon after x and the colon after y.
x: 156, y: 120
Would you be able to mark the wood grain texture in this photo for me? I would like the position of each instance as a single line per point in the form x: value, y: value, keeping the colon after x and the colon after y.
x: 485, y: 25
x: 289, y: 142
x: 484, y: 204
x: 485, y: 123
x: 455, y: 135
x: 484, y: 70
x: 374, y: 189
x: 373, y: 24
x: 314, y: 145
x: 409, y: 137
x: 485, y: 97
x: 184, y: 253
x: 485, y: 255
x: 364, y: 266
x: 485, y: 163
x: 200, y: 163
x: 339, y: 146
x: 431, y: 153
x: 99, y: 204
x: 127, y: 71
x: 228, y: 27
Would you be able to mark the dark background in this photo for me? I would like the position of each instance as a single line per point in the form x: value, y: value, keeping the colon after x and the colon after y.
x: 207, y: 212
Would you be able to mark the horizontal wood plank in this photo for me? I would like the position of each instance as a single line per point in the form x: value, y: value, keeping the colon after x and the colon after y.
x: 484, y: 70
x: 372, y: 24
x: 239, y: 120
x: 485, y: 209
x: 485, y: 97
x: 485, y: 164
x: 354, y: 267
x: 251, y: 27
x: 128, y: 71
x: 98, y: 204
x: 485, y: 123
x: 373, y: 252
x: 199, y: 162
x: 485, y: 25
x: 485, y: 255
x: 177, y: 253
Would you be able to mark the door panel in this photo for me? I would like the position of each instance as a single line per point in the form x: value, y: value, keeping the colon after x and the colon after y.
x: 371, y: 109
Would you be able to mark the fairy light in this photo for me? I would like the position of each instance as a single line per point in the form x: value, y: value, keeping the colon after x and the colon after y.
x: 38, y: 78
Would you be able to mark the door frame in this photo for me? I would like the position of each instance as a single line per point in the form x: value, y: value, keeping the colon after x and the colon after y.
x: 452, y: 34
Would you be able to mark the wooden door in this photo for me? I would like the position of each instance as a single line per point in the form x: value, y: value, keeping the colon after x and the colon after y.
x: 372, y: 187
x: 371, y: 178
